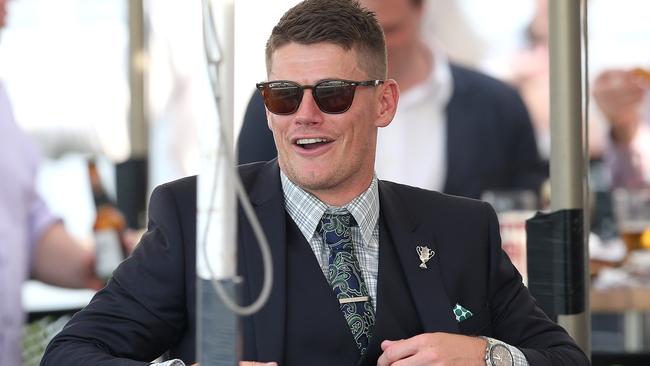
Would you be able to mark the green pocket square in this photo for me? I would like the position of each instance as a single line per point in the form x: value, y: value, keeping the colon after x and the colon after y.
x: 461, y: 313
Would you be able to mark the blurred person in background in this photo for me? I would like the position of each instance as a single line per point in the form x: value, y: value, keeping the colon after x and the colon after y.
x: 33, y: 242
x: 530, y: 74
x: 623, y: 98
x: 621, y: 159
x: 471, y: 132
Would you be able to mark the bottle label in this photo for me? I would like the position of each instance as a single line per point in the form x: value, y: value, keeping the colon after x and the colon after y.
x: 108, y: 252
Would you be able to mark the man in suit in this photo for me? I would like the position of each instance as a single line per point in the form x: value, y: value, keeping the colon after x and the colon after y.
x: 366, y: 272
x: 469, y: 132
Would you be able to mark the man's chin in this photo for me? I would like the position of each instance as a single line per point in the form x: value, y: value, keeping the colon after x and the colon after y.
x: 311, y: 182
x: 310, y: 179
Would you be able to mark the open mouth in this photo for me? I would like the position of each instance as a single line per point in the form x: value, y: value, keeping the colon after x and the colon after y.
x: 312, y: 143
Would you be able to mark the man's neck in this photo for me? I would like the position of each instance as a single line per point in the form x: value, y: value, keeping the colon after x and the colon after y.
x: 341, y: 197
x: 412, y: 67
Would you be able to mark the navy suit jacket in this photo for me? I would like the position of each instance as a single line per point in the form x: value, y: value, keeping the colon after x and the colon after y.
x: 490, y: 140
x: 148, y: 307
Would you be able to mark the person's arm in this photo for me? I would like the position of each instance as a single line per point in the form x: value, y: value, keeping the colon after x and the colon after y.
x: 516, y: 318
x: 55, y: 256
x: 629, y: 164
x: 516, y: 321
x: 142, y: 311
x: 60, y: 260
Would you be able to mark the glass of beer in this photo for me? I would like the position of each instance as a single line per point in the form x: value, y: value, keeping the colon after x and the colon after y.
x: 632, y: 210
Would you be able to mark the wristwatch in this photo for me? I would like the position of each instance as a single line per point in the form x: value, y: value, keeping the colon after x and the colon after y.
x: 497, y: 354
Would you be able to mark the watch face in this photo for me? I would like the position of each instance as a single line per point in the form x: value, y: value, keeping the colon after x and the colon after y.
x: 500, y: 356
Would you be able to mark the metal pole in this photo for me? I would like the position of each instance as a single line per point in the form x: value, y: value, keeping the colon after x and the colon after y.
x: 567, y: 164
x: 217, y: 328
x: 138, y: 131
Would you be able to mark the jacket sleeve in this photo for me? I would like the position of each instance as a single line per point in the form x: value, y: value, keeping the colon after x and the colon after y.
x: 528, y: 169
x: 141, y: 311
x: 516, y: 318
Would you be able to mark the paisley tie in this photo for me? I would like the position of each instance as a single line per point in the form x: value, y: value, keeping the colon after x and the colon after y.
x: 344, y: 275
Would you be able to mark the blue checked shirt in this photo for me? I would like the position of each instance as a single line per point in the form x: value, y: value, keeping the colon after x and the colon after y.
x: 307, y: 211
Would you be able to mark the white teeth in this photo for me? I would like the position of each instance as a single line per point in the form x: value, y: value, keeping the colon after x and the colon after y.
x: 310, y: 141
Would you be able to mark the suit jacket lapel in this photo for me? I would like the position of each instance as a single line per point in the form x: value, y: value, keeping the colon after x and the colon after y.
x: 268, y: 201
x: 426, y: 286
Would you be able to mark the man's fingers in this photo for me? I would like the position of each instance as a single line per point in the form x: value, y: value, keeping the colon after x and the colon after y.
x: 398, y: 350
x: 385, y: 344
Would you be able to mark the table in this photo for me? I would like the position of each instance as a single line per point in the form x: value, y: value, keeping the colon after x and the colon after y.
x: 632, y: 303
x: 39, y: 297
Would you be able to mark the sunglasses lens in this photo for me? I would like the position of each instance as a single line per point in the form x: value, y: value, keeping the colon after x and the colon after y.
x: 334, y: 96
x: 282, y: 98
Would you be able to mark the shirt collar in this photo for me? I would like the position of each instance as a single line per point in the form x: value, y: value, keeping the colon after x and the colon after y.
x: 306, y: 210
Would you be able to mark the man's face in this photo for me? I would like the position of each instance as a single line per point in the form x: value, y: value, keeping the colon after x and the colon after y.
x: 538, y: 30
x: 400, y: 20
x: 343, y: 165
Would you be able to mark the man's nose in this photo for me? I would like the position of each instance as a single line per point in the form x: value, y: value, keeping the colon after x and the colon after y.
x: 308, y: 111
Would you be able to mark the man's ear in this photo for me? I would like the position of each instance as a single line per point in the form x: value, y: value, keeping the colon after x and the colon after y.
x: 388, y: 98
x: 268, y: 118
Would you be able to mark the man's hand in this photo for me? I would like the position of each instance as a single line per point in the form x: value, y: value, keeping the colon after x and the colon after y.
x: 434, y: 349
x: 619, y: 95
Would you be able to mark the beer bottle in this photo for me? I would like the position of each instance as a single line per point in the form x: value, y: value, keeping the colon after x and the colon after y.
x: 108, y: 228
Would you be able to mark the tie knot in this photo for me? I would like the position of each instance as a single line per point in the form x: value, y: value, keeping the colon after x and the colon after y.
x: 335, y: 228
x: 336, y: 220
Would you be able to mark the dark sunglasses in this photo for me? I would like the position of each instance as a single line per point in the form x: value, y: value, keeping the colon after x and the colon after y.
x: 332, y: 96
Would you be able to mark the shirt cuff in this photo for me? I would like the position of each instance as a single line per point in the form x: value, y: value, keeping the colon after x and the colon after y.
x: 175, y: 362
